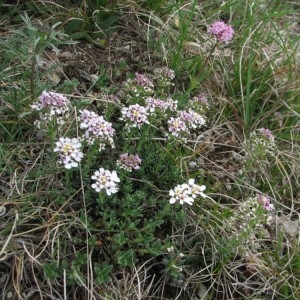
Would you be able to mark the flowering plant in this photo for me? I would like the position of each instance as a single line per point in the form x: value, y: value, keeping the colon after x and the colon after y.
x: 96, y: 128
x: 261, y: 142
x: 53, y: 106
x: 69, y: 152
x: 223, y: 32
x: 135, y: 115
x: 106, y: 180
x: 128, y: 162
x: 250, y: 221
x: 128, y: 216
x: 186, y: 192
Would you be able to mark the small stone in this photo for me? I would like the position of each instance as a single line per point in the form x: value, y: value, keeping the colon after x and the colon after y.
x: 66, y: 55
x: 192, y: 165
x: 228, y: 186
x: 2, y: 210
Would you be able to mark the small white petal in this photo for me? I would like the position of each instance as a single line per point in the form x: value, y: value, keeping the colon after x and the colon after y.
x: 172, y: 200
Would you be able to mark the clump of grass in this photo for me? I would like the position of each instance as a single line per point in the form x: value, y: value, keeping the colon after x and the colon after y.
x: 184, y: 184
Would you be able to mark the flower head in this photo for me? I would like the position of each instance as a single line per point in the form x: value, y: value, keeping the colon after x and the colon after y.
x: 164, y: 76
x: 129, y: 162
x: 266, y: 202
x: 58, y: 103
x: 191, y: 118
x: 267, y: 134
x: 135, y: 114
x: 201, y: 99
x: 177, y: 126
x: 141, y: 85
x: 222, y: 31
x: 69, y: 151
x: 53, y: 105
x: 261, y: 143
x: 153, y: 104
x: 186, y: 193
x: 172, y: 104
x: 106, y: 180
x: 142, y: 80
x: 96, y: 127
x: 196, y: 190
x: 181, y: 194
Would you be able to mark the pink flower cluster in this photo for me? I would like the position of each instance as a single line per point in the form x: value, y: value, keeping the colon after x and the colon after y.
x: 199, y: 100
x: 106, y: 180
x: 136, y: 115
x: 184, y: 121
x: 199, y: 104
x: 96, y: 128
x: 187, y: 192
x: 53, y: 105
x: 267, y: 134
x: 69, y: 152
x: 222, y: 31
x: 177, y: 126
x: 266, y: 202
x: 142, y: 80
x: 128, y: 162
x: 56, y: 102
x: 191, y: 118
x: 141, y: 85
x: 154, y: 104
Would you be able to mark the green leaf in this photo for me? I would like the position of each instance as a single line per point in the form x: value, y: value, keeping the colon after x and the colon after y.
x: 127, y: 259
x: 51, y: 270
x: 80, y: 259
x: 102, y: 272
x: 120, y: 238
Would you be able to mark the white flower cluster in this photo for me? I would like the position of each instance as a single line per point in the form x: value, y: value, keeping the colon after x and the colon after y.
x: 177, y: 126
x: 106, y: 180
x: 184, y: 121
x: 164, y: 76
x: 154, y: 105
x: 69, y: 152
x: 187, y: 192
x: 192, y: 119
x: 248, y: 223
x: 136, y: 115
x: 262, y: 142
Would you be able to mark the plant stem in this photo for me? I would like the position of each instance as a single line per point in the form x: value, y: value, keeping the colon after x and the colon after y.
x: 198, y: 75
x: 32, y: 78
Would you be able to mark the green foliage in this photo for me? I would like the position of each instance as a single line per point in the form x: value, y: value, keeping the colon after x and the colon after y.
x: 93, y: 21
x: 51, y: 270
x: 103, y: 272
x: 25, y: 47
x: 133, y: 225
x: 93, y: 240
